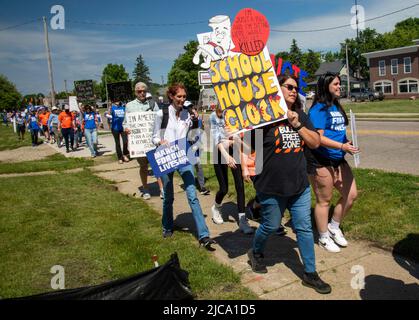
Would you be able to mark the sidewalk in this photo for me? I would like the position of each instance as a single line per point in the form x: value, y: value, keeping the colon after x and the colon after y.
x: 386, y: 276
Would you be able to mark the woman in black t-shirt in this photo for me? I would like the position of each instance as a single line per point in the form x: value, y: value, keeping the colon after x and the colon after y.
x: 283, y: 184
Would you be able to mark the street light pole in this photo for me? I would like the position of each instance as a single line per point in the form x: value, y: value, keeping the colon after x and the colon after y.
x: 347, y: 74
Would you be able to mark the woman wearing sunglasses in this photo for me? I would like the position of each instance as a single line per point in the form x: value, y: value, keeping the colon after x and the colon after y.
x: 327, y: 166
x: 283, y: 184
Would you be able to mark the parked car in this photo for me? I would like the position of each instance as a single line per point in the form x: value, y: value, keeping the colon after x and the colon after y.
x: 310, y: 95
x: 362, y: 94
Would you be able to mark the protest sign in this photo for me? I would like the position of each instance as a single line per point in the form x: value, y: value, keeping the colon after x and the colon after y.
x: 72, y: 101
x: 120, y: 91
x: 84, y: 90
x: 242, y: 73
x: 354, y: 138
x: 166, y: 159
x: 140, y: 139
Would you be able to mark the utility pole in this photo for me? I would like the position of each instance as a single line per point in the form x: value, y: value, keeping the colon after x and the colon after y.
x: 347, y: 73
x: 51, y: 79
x: 162, y: 80
x: 357, y: 41
x: 65, y: 88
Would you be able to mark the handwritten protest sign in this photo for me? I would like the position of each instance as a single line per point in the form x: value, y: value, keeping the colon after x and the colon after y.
x: 166, y: 159
x: 140, y: 139
x: 120, y: 91
x: 84, y: 90
x: 242, y: 73
x: 72, y: 101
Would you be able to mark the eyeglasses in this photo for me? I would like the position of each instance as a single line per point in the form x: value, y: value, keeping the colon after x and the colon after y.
x: 290, y: 87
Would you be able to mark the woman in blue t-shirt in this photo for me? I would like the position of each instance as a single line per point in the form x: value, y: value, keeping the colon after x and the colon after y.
x: 327, y: 166
x: 90, y: 129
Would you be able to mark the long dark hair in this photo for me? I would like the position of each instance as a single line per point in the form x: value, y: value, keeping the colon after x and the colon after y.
x: 297, y: 104
x: 324, y: 96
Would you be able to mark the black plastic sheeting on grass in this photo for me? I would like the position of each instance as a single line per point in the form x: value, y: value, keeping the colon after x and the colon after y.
x: 166, y: 282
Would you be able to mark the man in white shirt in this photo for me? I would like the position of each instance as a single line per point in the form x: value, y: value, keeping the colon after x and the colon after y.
x: 140, y: 104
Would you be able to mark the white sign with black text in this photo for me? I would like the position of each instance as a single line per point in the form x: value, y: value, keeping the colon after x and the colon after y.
x: 140, y: 139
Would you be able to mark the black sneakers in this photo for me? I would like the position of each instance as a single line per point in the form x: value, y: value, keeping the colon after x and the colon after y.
x: 206, y: 242
x: 312, y: 280
x: 167, y: 233
x: 205, y: 191
x: 281, y: 231
x: 256, y: 262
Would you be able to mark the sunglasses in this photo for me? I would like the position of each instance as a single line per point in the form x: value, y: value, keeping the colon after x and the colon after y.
x: 290, y: 87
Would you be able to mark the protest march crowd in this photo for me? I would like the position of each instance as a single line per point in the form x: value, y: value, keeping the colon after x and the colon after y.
x: 292, y: 157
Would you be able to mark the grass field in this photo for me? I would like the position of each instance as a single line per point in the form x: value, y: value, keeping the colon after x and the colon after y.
x: 9, y: 140
x: 82, y: 223
x: 385, y: 106
x: 386, y: 211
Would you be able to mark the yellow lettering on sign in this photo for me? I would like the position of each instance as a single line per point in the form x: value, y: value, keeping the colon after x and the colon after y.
x: 215, y: 76
x: 222, y: 95
x: 223, y: 70
x: 266, y: 62
x: 245, y: 64
x: 230, y: 114
x: 256, y: 64
x: 233, y: 93
x: 245, y: 89
x: 278, y: 112
x: 235, y: 69
x: 244, y: 123
x: 268, y: 82
x: 261, y: 90
x: 263, y: 107
x: 252, y: 114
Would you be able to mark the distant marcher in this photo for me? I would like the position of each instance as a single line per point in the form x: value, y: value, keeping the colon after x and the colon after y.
x: 140, y: 104
x: 56, y: 136
x: 90, y: 123
x: 66, y: 125
x: 117, y: 115
x: 34, y: 127
x: 21, y: 125
x: 43, y: 119
x: 327, y: 165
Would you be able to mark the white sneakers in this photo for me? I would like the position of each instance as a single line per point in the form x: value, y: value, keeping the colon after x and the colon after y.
x: 328, y: 244
x: 216, y: 215
x: 337, y: 236
x: 334, y: 239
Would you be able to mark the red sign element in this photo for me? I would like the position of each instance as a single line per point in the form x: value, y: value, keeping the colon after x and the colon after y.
x: 249, y: 32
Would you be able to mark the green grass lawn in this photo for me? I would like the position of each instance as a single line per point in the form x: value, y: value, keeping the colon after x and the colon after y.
x: 55, y: 162
x: 97, y: 234
x: 9, y: 140
x: 385, y: 106
x: 386, y: 211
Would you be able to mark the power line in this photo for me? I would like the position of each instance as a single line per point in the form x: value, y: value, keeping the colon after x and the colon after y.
x: 21, y: 24
x: 346, y: 25
x: 137, y: 24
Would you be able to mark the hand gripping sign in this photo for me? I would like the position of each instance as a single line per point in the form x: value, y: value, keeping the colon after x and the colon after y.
x: 241, y: 71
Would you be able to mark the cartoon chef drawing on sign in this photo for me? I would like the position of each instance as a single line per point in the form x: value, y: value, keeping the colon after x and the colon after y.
x: 214, y: 45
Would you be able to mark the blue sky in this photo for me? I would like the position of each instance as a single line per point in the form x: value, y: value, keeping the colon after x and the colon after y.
x: 82, y: 50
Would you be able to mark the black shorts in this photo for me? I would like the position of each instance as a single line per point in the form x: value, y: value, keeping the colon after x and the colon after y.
x: 45, y: 128
x: 314, y: 161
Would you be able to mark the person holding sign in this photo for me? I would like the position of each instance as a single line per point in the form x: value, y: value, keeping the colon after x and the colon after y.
x: 283, y: 184
x: 117, y: 114
x: 171, y: 125
x: 140, y: 104
x: 327, y: 164
x: 223, y: 148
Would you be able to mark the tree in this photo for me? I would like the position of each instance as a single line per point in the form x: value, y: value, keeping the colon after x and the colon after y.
x: 141, y: 72
x: 312, y: 63
x: 9, y: 96
x: 185, y: 71
x: 295, y: 54
x: 110, y: 74
x: 330, y: 56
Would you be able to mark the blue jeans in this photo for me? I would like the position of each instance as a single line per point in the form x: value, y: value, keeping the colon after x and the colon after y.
x: 273, y: 208
x: 91, y: 140
x: 189, y: 182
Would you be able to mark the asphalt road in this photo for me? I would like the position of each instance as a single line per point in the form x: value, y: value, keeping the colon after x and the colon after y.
x: 390, y: 146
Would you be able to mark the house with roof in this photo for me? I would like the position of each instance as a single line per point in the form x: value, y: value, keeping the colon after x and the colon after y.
x: 395, y: 71
x: 337, y: 67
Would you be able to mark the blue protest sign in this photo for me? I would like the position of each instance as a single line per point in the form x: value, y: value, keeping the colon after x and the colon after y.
x: 166, y: 159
